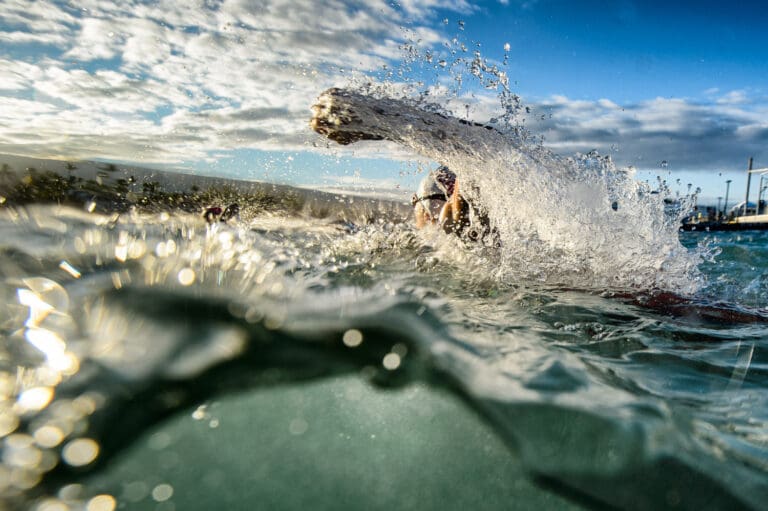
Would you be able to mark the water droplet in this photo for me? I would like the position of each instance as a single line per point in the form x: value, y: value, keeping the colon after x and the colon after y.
x: 200, y: 413
x: 352, y: 338
x: 34, y: 399
x: 69, y: 269
x: 391, y: 361
x: 159, y: 441
x: 51, y: 504
x: 20, y: 452
x: 9, y: 421
x: 134, y: 491
x: 298, y: 426
x: 80, y: 452
x: 43, y: 295
x: 101, y: 503
x: 400, y: 349
x: 162, y: 492
x: 186, y: 277
x: 48, y: 436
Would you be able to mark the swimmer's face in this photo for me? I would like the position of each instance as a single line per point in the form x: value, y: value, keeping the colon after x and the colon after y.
x: 428, y: 211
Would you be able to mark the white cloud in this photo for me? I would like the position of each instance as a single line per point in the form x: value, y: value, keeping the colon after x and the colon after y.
x: 736, y: 97
x: 40, y: 18
x: 14, y: 75
x: 20, y: 37
x: 14, y: 107
x: 96, y: 39
x: 689, y: 135
x: 164, y: 81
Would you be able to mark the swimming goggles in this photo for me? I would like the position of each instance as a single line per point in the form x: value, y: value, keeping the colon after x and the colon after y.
x: 435, y: 196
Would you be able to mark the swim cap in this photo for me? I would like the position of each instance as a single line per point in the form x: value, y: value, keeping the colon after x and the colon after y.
x: 435, y: 190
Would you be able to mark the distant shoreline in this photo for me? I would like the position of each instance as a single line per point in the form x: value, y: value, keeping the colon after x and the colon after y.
x: 117, y: 187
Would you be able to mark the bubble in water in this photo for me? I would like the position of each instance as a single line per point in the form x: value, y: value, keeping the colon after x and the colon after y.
x: 134, y: 491
x: 162, y: 492
x: 298, y: 426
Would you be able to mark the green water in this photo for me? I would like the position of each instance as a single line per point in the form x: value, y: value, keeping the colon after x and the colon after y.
x: 333, y: 444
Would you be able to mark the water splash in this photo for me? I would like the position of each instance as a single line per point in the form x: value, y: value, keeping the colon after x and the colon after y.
x: 565, y: 220
x: 159, y: 301
x: 573, y: 222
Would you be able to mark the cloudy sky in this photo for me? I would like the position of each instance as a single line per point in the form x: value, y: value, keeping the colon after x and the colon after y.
x: 224, y: 87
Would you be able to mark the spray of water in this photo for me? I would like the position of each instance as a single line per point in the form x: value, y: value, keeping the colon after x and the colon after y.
x: 573, y: 221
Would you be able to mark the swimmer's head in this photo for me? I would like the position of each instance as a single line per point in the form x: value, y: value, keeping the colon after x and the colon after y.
x: 434, y: 191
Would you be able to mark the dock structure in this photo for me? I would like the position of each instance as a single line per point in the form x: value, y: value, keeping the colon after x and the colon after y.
x: 742, y: 217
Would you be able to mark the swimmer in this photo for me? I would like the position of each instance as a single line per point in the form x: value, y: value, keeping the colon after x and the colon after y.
x: 438, y: 202
x: 212, y: 214
x: 434, y: 201
x: 215, y: 213
x: 232, y: 211
x: 346, y: 117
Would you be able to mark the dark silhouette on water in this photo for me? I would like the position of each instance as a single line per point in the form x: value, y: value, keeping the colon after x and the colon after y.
x: 308, y: 348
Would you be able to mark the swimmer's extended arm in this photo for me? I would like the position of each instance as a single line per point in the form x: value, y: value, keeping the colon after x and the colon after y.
x: 456, y: 203
x: 346, y: 116
x: 450, y: 215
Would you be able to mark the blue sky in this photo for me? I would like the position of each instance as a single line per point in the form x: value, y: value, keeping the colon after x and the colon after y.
x: 629, y: 51
x: 224, y: 86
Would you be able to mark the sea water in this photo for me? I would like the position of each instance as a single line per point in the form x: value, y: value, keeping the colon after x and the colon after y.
x: 587, y: 355
x: 153, y: 361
